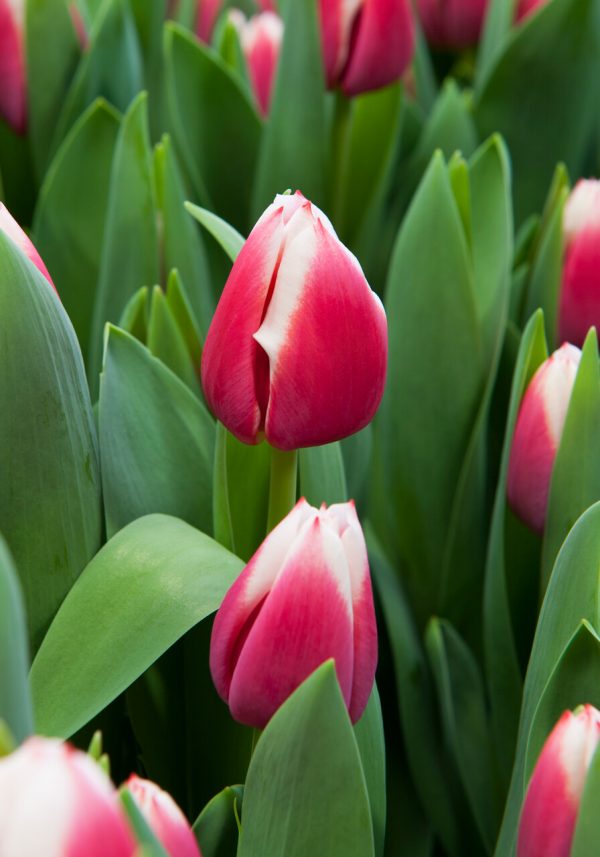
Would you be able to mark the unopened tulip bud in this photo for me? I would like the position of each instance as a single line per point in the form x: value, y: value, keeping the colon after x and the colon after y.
x: 579, y: 307
x: 260, y: 38
x: 13, y: 82
x: 207, y: 14
x: 10, y: 227
x: 537, y: 435
x: 56, y: 801
x: 297, y: 349
x: 552, y: 801
x: 164, y: 818
x: 453, y: 24
x: 304, y: 597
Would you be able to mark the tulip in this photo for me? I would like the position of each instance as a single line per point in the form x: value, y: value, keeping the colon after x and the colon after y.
x: 164, y: 818
x: 579, y: 305
x: 537, y: 435
x: 57, y: 802
x: 10, y: 227
x: 452, y: 24
x: 13, y: 83
x: 260, y: 38
x: 297, y: 349
x: 304, y: 597
x: 552, y: 801
x: 208, y: 12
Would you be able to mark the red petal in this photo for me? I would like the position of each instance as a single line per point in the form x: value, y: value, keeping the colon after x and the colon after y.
x: 13, y: 84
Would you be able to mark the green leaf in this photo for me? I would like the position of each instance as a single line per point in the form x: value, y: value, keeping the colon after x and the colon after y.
x: 587, y: 829
x: 553, y: 54
x: 15, y: 700
x: 134, y: 318
x: 52, y: 52
x: 68, y: 230
x: 50, y: 508
x: 213, y: 122
x: 154, y: 458
x: 216, y: 828
x: 371, y: 744
x: 151, y: 583
x: 229, y: 238
x: 130, y: 250
x: 288, y: 809
x: 357, y: 451
x: 166, y: 341
x: 183, y: 314
x: 322, y: 476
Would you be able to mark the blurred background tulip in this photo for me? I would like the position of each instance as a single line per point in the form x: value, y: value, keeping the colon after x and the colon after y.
x: 537, y: 435
x: 13, y: 83
x: 296, y: 304
x: 579, y: 307
x: 207, y: 14
x: 452, y: 24
x: 56, y: 801
x: 304, y: 597
x: 164, y: 817
x: 260, y: 38
x: 554, y: 793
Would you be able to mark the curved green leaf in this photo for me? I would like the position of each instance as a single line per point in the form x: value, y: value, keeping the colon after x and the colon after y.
x: 229, y: 238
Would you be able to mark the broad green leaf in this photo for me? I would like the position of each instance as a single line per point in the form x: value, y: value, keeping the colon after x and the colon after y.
x: 166, y: 341
x: 15, y: 700
x: 154, y: 458
x: 130, y: 250
x: 151, y: 583
x: 213, y: 122
x: 68, y: 231
x: 229, y: 238
x: 216, y: 828
x: 293, y: 147
x: 288, y: 809
x: 52, y: 52
x: 371, y: 744
x: 587, y: 830
x: 575, y: 483
x: 322, y: 476
x: 50, y: 508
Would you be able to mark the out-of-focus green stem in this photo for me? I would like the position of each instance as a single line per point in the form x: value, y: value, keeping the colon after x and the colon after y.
x: 282, y: 489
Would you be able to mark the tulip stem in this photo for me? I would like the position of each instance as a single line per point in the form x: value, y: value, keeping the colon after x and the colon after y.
x: 282, y: 488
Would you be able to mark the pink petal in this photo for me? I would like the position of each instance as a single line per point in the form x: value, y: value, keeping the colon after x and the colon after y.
x: 454, y: 24
x: 13, y: 83
x: 10, y: 227
x: 261, y: 39
x: 208, y: 12
x: 325, y: 334
x: 537, y: 435
x: 164, y: 817
x: 244, y: 598
x: 305, y: 620
x: 337, y: 21
x: 382, y: 46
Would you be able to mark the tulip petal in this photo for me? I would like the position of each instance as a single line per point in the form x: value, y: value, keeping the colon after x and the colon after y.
x: 237, y: 611
x: 10, y: 227
x: 580, y: 290
x: 261, y: 39
x: 305, y: 620
x: 382, y: 46
x: 337, y: 19
x: 208, y: 11
x: 325, y: 333
x: 13, y: 84
x: 164, y: 817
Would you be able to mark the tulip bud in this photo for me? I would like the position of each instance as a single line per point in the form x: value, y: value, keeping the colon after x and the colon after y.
x: 208, y: 12
x: 260, y: 38
x: 13, y: 83
x: 10, y: 227
x: 297, y: 349
x: 537, y: 435
x: 57, y: 802
x: 552, y: 801
x: 304, y: 597
x: 453, y: 24
x: 164, y: 818
x: 579, y: 306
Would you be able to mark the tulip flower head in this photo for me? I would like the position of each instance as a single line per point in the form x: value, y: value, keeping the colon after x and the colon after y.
x: 10, y: 227
x: 304, y: 597
x: 579, y: 307
x: 13, y: 82
x: 207, y: 14
x: 260, y: 38
x: 537, y: 435
x: 452, y: 24
x: 554, y: 793
x: 297, y: 349
x: 57, y: 802
x: 164, y: 818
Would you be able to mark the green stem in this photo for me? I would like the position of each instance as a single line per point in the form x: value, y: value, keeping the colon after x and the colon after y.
x: 282, y: 489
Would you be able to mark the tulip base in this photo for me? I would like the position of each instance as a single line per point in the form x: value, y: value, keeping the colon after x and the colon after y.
x: 282, y: 488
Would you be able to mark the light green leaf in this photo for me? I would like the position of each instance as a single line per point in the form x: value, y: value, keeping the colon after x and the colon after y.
x: 165, y: 341
x: 229, y: 238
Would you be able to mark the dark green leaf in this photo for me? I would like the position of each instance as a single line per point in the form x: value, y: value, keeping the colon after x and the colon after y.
x: 216, y: 827
x: 371, y: 744
x: 587, y: 830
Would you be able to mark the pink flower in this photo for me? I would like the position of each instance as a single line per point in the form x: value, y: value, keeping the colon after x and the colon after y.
x: 57, y: 802
x: 260, y: 38
x: 13, y: 82
x: 552, y: 802
x: 452, y: 24
x: 164, y: 818
x: 579, y: 307
x: 10, y: 227
x: 304, y: 597
x: 208, y: 12
x: 537, y: 435
x: 297, y: 349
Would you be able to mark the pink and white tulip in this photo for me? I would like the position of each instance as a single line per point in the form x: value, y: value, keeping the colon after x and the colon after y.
x: 57, y: 802
x: 297, y: 349
x: 13, y: 80
x: 10, y: 227
x: 304, y: 597
x: 164, y: 818
x: 260, y: 37
x: 452, y: 24
x: 206, y: 18
x: 554, y: 794
x: 579, y: 307
x: 537, y: 435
